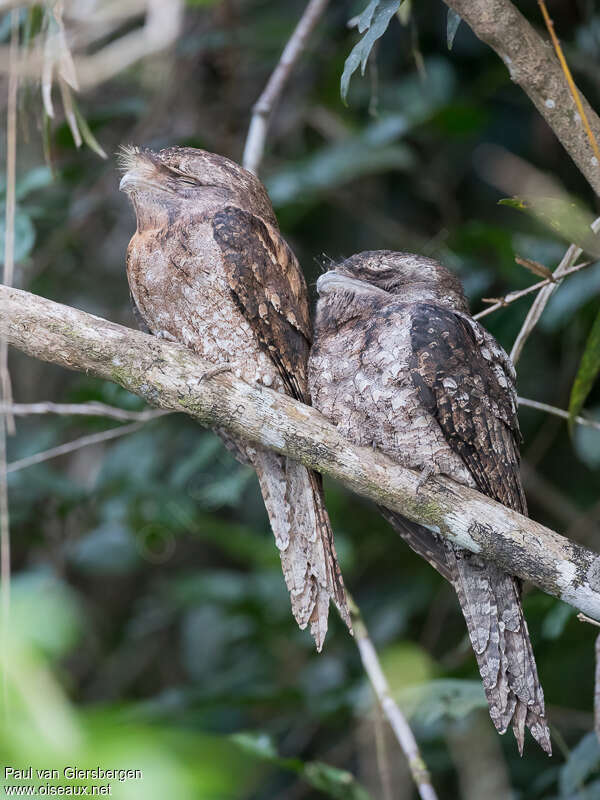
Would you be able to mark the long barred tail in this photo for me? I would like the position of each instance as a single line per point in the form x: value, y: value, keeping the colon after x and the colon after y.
x: 294, y: 500
x: 490, y: 602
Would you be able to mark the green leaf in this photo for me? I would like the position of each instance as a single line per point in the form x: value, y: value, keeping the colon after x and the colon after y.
x: 586, y: 442
x: 452, y: 24
x: 365, y: 19
x: 256, y: 743
x: 334, y: 782
x: 24, y: 235
x: 37, y: 178
x: 583, y: 759
x: 587, y: 373
x: 556, y: 620
x: 449, y: 698
x: 86, y: 133
x: 375, y: 20
x: 564, y: 215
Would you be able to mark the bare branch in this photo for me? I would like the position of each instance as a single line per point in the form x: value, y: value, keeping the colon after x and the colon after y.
x: 257, y: 133
x: 541, y: 301
x: 170, y: 376
x: 534, y: 67
x: 81, y: 409
x: 76, y: 444
x: 395, y: 717
x: 558, y: 412
x: 517, y: 295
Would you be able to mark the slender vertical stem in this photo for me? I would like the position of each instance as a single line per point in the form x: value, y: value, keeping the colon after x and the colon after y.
x: 395, y: 717
x: 261, y: 113
x: 541, y: 300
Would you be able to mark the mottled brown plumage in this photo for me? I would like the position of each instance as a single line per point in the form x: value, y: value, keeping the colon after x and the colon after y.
x: 208, y: 267
x: 399, y: 364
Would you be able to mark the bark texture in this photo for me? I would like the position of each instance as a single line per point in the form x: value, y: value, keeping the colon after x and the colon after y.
x: 170, y: 376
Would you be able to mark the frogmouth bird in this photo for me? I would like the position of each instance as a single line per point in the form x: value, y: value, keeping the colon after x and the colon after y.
x: 209, y: 268
x: 399, y: 364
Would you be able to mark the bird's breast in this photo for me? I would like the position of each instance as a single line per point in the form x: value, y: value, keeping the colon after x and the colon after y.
x: 178, y: 283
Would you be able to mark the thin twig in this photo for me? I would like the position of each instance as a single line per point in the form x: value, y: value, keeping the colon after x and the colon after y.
x: 569, y: 79
x: 558, y: 412
x: 395, y: 717
x: 76, y: 444
x: 257, y: 132
x: 381, y: 756
x: 534, y: 67
x: 92, y: 409
x: 584, y: 618
x: 540, y: 302
x: 511, y: 297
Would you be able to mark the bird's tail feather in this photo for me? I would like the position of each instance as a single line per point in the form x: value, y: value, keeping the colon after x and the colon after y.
x: 490, y: 601
x: 293, y: 497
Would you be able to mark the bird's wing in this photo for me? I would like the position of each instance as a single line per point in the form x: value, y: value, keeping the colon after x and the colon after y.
x: 465, y: 380
x: 268, y: 286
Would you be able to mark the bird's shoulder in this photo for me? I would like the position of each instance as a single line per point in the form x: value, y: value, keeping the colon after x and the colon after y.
x: 466, y: 381
x: 268, y: 285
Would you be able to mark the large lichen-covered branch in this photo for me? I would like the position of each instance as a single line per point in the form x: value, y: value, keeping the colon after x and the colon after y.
x: 170, y: 376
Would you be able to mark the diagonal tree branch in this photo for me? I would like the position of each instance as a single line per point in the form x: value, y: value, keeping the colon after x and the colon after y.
x: 533, y: 65
x: 171, y: 376
x: 261, y: 113
x: 394, y: 715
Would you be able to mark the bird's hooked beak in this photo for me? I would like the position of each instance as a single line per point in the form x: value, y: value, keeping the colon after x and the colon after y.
x: 140, y: 170
x: 329, y: 281
x: 127, y: 181
x: 336, y: 281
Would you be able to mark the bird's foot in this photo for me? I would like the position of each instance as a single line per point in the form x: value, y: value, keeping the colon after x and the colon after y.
x: 218, y: 370
x: 168, y: 337
x: 432, y: 469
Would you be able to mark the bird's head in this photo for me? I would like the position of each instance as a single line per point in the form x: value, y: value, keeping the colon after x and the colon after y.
x: 187, y: 177
x: 376, y: 276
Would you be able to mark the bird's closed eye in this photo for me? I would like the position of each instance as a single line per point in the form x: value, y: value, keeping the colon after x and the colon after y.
x: 188, y: 181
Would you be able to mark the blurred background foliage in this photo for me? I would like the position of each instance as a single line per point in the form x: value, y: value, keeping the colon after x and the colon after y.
x: 150, y: 623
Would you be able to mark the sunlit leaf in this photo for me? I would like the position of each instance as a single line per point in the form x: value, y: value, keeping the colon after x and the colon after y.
x: 564, y: 215
x: 377, y: 16
x: 588, y: 370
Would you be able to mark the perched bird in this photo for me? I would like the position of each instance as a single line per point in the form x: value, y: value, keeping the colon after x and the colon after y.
x: 399, y: 364
x: 208, y: 267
